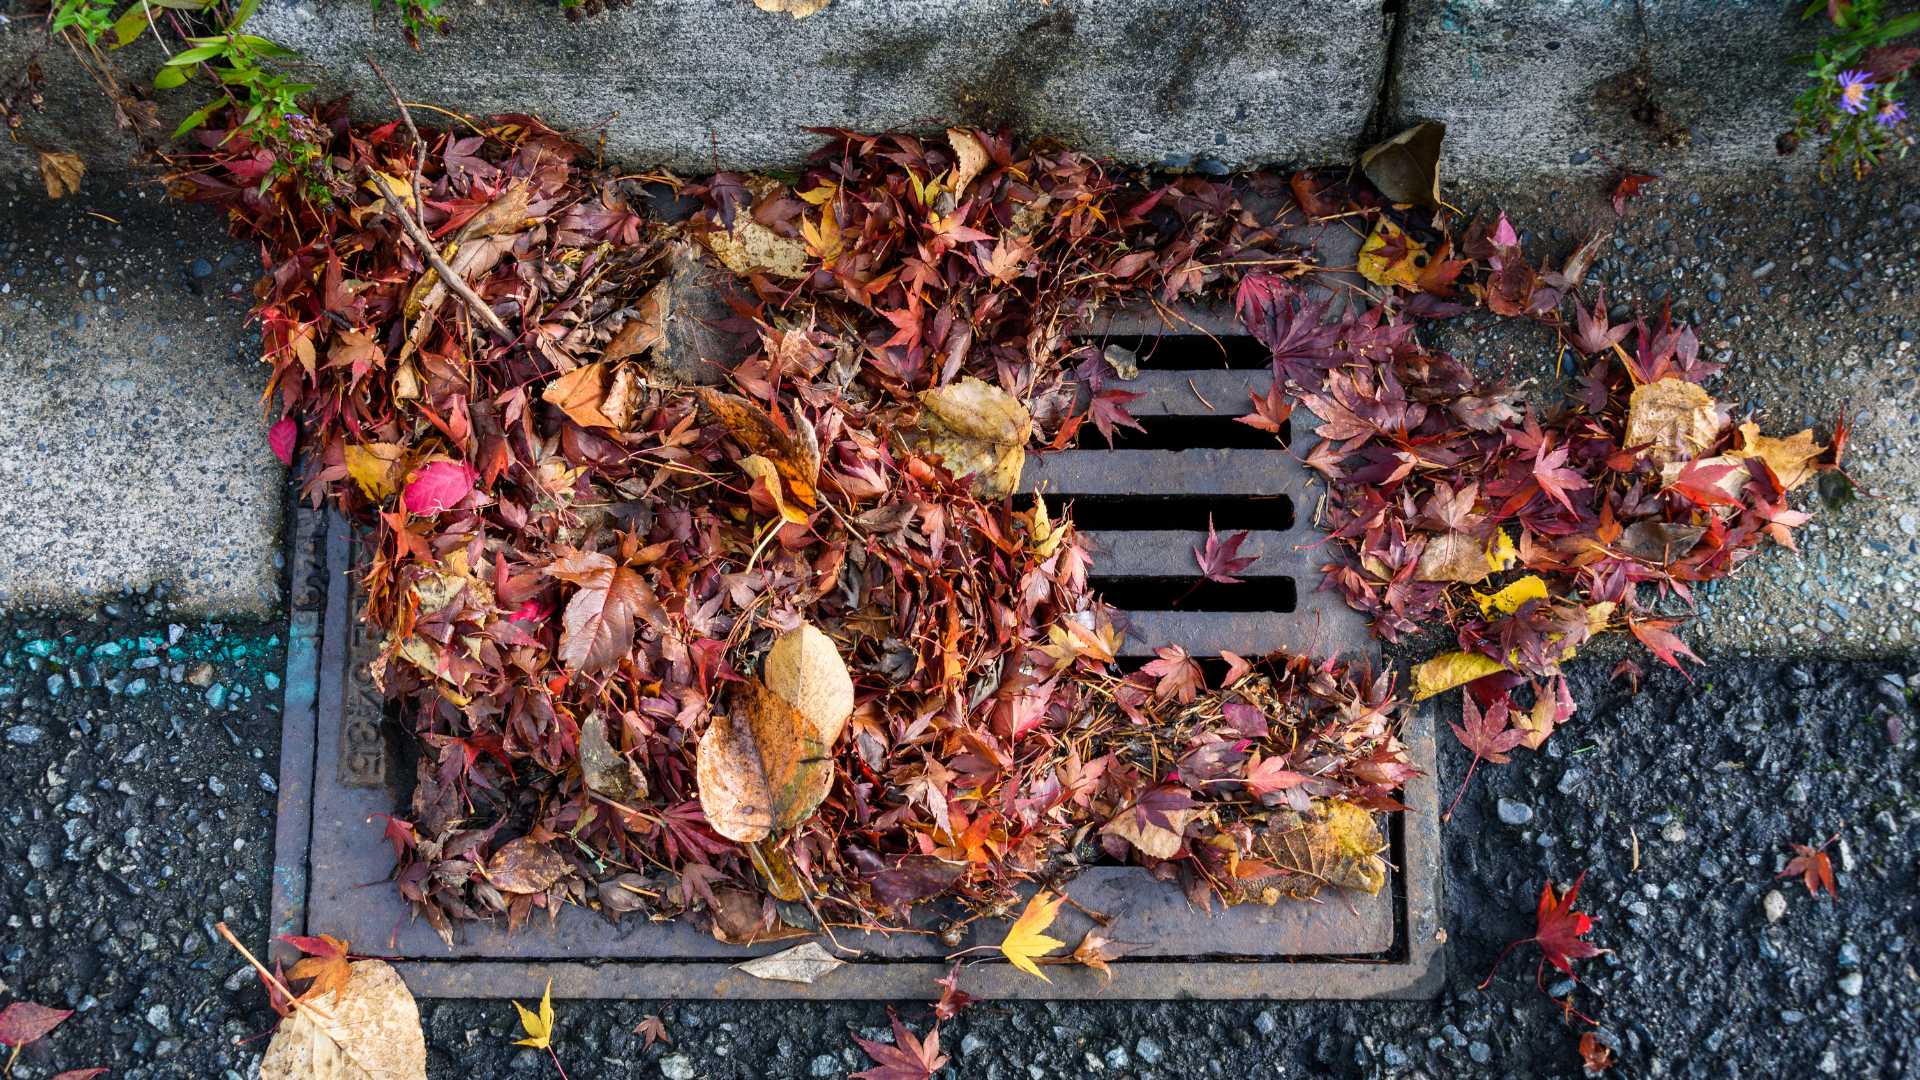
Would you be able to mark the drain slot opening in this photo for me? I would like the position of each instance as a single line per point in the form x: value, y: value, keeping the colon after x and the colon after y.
x: 1178, y: 351
x: 1227, y: 512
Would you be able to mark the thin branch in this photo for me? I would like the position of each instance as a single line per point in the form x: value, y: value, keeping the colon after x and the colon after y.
x: 267, y: 976
x: 420, y: 238
x: 419, y: 144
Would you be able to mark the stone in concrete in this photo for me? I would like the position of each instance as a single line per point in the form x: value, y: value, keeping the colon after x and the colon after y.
x: 1529, y: 86
x: 132, y: 443
x: 1202, y: 83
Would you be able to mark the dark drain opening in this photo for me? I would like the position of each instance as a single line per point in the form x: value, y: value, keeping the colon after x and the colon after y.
x: 1181, y: 351
x: 1272, y: 513
x: 1274, y: 594
x: 1223, y: 431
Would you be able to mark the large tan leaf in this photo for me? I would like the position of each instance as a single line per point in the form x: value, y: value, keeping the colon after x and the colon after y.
x: 977, y: 429
x: 804, y: 667
x: 597, y: 628
x: 761, y: 765
x: 972, y: 158
x: 592, y: 400
x: 799, y: 9
x: 1160, y: 843
x: 1674, y: 415
x: 1453, y: 556
x: 1337, y: 845
x: 1790, y: 459
x: 801, y: 964
x: 1406, y: 168
x: 374, y: 1033
x: 62, y: 173
x: 750, y: 244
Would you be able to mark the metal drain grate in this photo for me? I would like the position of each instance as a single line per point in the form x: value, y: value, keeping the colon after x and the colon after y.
x: 1145, y: 505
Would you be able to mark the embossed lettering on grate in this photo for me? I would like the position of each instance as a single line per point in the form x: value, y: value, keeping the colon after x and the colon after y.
x: 1146, y: 504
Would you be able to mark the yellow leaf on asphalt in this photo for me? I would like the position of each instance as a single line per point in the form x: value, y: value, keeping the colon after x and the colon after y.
x: 1790, y: 459
x: 1024, y: 939
x: 539, y: 1027
x: 1448, y: 670
x: 1509, y: 599
x: 61, y: 173
x: 376, y: 468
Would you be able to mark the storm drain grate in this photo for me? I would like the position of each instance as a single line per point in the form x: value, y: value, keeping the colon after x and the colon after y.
x: 1145, y: 505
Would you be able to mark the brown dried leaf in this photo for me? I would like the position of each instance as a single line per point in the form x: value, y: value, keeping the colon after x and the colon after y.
x: 1338, y: 845
x: 61, y: 173
x: 761, y: 765
x: 800, y: 964
x: 603, y: 769
x: 1790, y: 459
x: 524, y: 865
x: 805, y: 669
x: 1132, y: 826
x: 1453, y: 556
x: 799, y: 9
x: 1676, y: 416
x: 580, y: 393
x: 972, y: 159
x: 373, y: 1034
x: 794, y: 451
x: 1406, y: 168
x: 640, y: 333
x: 1097, y: 950
x: 977, y: 429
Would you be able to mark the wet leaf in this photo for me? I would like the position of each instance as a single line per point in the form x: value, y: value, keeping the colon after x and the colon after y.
x: 524, y: 865
x: 978, y: 430
x: 804, y: 667
x: 1558, y: 929
x: 761, y: 765
x: 372, y: 1033
x: 1406, y: 168
x: 806, y: 963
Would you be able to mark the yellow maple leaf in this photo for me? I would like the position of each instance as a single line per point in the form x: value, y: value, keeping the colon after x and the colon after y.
x: 823, y: 242
x: 820, y: 194
x: 1509, y: 599
x: 1448, y: 670
x: 539, y: 1028
x: 374, y: 466
x: 1024, y: 940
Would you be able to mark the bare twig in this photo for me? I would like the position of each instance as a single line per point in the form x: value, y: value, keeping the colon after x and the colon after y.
x: 420, y: 238
x: 419, y: 144
x: 267, y: 976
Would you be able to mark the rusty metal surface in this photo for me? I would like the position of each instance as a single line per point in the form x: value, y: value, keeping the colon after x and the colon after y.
x: 1412, y: 967
x: 1321, y: 625
x: 307, y: 584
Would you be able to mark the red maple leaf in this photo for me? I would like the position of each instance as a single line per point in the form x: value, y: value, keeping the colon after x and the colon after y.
x: 1268, y: 412
x: 1813, y: 866
x: 952, y: 999
x: 1653, y: 633
x: 1595, y: 334
x: 1109, y: 409
x: 1596, y: 1055
x: 1557, y: 481
x: 1629, y: 188
x: 1179, y: 674
x: 23, y: 1022
x: 1557, y: 930
x: 1487, y: 735
x: 908, y: 1058
x: 653, y: 1028
x: 1219, y: 560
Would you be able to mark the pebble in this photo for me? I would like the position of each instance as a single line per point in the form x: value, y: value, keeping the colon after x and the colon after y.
x: 268, y: 784
x: 1884, y: 821
x: 826, y: 1065
x: 1570, y: 780
x: 1852, y: 983
x: 201, y: 676
x: 677, y: 1067
x: 1763, y: 270
x: 1796, y: 793
x: 1117, y: 1058
x: 1849, y: 957
x: 1791, y: 1016
x: 1480, y: 1052
x: 1799, y: 678
x: 1149, y: 1051
x: 217, y: 695
x: 972, y: 1044
x: 1774, y: 905
x: 1674, y: 833
x: 159, y: 1018
x: 525, y: 1061
x: 1512, y: 812
x: 216, y: 785
x: 40, y: 856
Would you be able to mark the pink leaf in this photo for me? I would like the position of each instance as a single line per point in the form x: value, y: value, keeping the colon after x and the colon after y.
x: 281, y: 437
x: 1503, y: 234
x: 440, y: 486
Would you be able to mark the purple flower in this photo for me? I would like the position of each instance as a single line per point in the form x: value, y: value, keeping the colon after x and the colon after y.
x: 1890, y: 114
x: 1854, y: 87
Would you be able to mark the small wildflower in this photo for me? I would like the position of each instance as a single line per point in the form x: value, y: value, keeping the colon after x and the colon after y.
x: 1854, y: 87
x: 1890, y: 114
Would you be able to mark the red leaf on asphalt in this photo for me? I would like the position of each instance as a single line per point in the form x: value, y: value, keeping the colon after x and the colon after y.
x: 952, y: 999
x: 1220, y: 560
x: 1557, y: 930
x: 1629, y: 188
x: 1109, y: 409
x: 1486, y: 734
x: 439, y: 486
x: 1813, y: 867
x: 908, y: 1058
x: 22, y: 1022
x: 1653, y: 634
x: 1595, y: 1054
x: 653, y: 1028
x: 1268, y: 412
x: 281, y: 437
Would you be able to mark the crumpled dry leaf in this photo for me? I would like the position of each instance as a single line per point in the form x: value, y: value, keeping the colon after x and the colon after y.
x: 799, y: 9
x: 374, y: 1033
x: 1790, y: 459
x: 523, y: 865
x: 750, y: 244
x: 1454, y: 556
x: 805, y: 669
x: 972, y: 159
x: 587, y: 396
x: 640, y: 333
x: 978, y: 429
x: 1406, y: 168
x: 1097, y: 950
x: 1676, y: 416
x: 801, y: 964
x: 1338, y: 845
x: 61, y: 173
x: 1152, y: 840
x: 761, y: 765
x: 603, y: 769
x: 1448, y: 670
x: 794, y: 451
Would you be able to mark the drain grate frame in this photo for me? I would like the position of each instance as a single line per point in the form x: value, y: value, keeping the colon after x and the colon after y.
x: 339, y: 770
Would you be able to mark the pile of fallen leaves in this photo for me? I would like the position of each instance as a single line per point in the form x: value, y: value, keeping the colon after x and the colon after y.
x: 718, y: 605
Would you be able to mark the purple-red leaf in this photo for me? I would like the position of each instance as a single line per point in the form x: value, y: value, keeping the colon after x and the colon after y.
x: 439, y: 487
x: 281, y: 437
